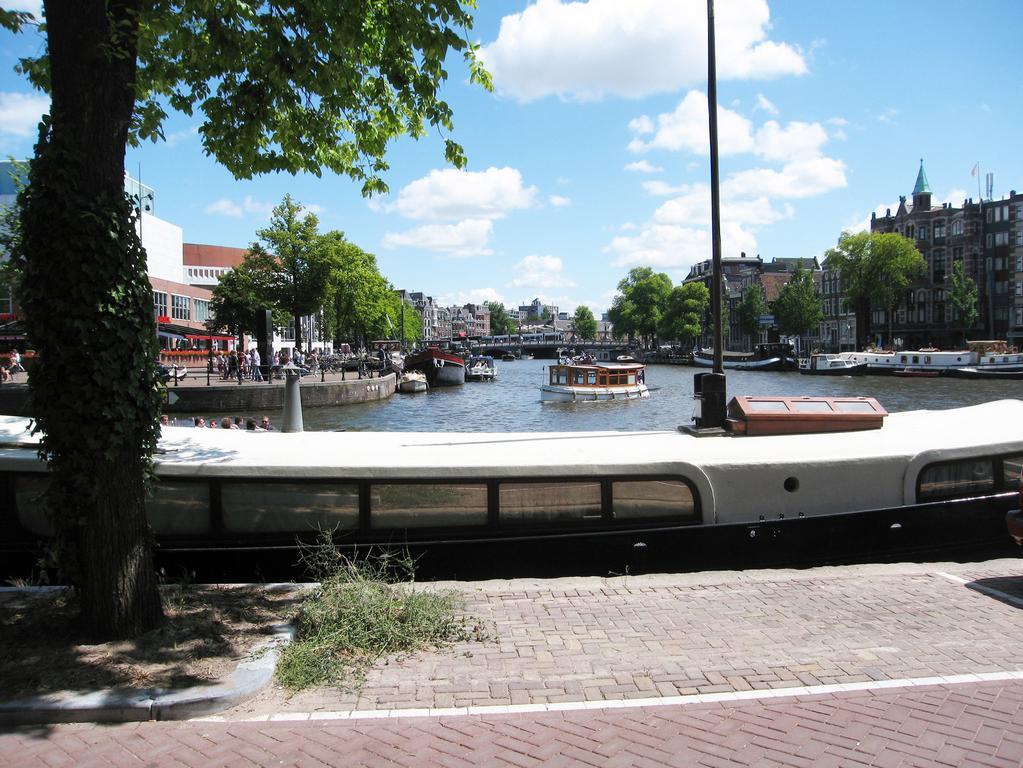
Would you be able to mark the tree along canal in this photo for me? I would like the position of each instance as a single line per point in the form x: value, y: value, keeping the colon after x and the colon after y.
x: 512, y: 402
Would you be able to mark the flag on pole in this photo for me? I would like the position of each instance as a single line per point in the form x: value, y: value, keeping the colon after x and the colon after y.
x: 975, y: 169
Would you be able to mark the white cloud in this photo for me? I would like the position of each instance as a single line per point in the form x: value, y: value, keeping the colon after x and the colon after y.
x: 801, y: 178
x: 540, y: 272
x: 673, y: 247
x: 451, y: 194
x: 558, y: 201
x: 465, y: 239
x: 765, y: 104
x: 693, y: 209
x: 888, y: 116
x: 173, y: 139
x: 793, y: 141
x: 686, y: 129
x: 20, y: 113
x: 643, y: 166
x: 657, y: 188
x: 223, y: 207
x: 471, y: 296
x: 585, y: 51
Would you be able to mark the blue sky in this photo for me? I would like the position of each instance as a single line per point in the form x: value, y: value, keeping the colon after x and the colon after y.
x: 590, y: 156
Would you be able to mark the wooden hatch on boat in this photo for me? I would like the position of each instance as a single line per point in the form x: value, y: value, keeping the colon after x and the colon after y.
x: 778, y: 415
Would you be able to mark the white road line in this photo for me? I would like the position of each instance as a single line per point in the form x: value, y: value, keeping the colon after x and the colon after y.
x: 995, y: 593
x: 665, y: 701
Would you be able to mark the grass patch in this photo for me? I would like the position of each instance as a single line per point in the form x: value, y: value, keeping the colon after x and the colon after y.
x: 365, y: 609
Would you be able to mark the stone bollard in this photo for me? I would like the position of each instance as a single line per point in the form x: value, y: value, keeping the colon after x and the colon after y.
x: 292, y: 399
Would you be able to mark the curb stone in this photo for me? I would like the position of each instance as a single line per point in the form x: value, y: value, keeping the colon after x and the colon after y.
x: 120, y: 705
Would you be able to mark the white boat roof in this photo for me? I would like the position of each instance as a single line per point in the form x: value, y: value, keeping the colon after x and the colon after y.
x: 188, y: 451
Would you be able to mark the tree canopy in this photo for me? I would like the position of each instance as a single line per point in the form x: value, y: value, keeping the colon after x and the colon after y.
x: 584, y: 323
x: 302, y: 87
x: 876, y: 270
x: 638, y: 306
x: 501, y: 323
x: 963, y: 296
x: 685, y: 308
x: 798, y: 309
x: 750, y: 309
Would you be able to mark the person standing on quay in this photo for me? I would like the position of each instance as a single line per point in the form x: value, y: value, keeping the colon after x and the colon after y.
x: 254, y: 364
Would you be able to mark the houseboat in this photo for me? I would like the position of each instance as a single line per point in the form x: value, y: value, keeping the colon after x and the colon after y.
x: 532, y: 500
x: 442, y: 369
x: 979, y: 358
x: 571, y: 382
x: 764, y: 357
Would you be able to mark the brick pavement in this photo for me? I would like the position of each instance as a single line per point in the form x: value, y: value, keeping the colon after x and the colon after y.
x: 980, y: 724
x: 587, y: 648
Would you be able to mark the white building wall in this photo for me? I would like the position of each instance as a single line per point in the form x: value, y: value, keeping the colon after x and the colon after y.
x: 163, y: 242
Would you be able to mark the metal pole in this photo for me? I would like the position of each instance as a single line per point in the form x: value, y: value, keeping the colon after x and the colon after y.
x: 715, y: 197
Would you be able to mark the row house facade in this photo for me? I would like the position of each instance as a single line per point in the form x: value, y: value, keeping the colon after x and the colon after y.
x: 986, y: 236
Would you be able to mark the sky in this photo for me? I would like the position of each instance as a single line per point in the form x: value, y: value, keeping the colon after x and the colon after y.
x: 591, y: 155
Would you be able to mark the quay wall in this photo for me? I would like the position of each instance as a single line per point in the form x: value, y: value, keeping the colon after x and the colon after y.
x: 14, y: 399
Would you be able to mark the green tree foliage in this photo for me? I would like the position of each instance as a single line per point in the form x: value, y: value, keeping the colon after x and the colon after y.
x: 359, y: 299
x: 234, y: 303
x: 685, y: 308
x: 750, y: 309
x: 584, y: 323
x: 639, y: 304
x: 10, y: 230
x: 963, y: 296
x: 289, y: 265
x: 798, y: 309
x: 293, y: 87
x: 501, y: 323
x: 405, y: 320
x: 875, y: 271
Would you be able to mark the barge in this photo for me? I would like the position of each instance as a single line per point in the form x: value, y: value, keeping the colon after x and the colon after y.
x: 943, y: 477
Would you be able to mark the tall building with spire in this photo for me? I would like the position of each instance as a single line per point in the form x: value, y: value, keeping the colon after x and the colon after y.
x: 986, y: 235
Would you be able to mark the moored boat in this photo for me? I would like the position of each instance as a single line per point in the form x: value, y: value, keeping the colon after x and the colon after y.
x: 571, y: 382
x: 830, y: 365
x: 765, y: 357
x: 989, y: 356
x: 442, y: 369
x: 411, y: 382
x: 946, y: 476
x: 480, y: 368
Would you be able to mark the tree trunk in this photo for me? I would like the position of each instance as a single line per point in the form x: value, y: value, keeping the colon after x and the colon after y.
x: 90, y: 315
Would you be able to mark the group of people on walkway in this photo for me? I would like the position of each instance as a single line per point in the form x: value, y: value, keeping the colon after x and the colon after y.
x: 248, y: 424
x: 12, y: 367
x: 250, y: 366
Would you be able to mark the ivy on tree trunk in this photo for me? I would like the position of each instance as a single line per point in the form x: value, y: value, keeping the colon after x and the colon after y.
x: 89, y: 312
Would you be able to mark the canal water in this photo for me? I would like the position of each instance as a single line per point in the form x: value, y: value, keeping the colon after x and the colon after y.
x: 512, y: 402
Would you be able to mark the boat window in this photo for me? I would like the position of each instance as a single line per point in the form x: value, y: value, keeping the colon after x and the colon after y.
x: 632, y: 499
x: 28, y: 493
x: 956, y: 478
x: 591, y: 377
x: 420, y: 505
x: 632, y: 377
x: 1012, y: 468
x: 265, y: 507
x: 580, y: 377
x: 549, y: 502
x: 179, y: 508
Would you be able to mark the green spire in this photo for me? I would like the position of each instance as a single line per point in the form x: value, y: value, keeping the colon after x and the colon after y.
x: 921, y: 181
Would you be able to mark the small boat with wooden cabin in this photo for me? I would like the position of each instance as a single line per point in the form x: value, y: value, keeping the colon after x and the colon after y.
x: 573, y: 382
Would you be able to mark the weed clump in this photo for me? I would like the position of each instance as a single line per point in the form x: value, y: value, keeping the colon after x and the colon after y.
x: 366, y: 608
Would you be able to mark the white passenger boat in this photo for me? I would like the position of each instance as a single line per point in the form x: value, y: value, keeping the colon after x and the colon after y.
x: 571, y: 382
x: 978, y: 358
x: 945, y: 476
x: 830, y: 365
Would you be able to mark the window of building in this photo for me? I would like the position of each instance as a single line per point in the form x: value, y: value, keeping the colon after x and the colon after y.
x: 987, y: 241
x: 1001, y: 286
x: 159, y: 304
x: 1019, y: 317
x: 921, y: 232
x: 1001, y: 238
x: 957, y: 228
x: 989, y: 215
x: 939, y: 228
x: 6, y: 299
x: 202, y: 310
x: 181, y: 307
